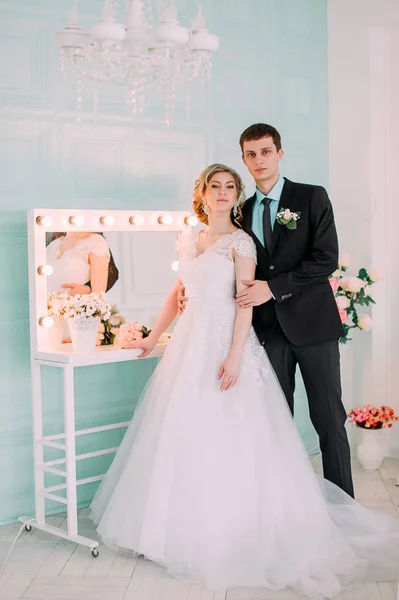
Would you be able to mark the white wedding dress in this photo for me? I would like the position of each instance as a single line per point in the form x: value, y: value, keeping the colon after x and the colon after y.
x: 217, y: 486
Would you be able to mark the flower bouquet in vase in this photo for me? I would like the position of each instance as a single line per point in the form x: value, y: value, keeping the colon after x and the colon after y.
x: 352, y: 294
x: 57, y: 304
x: 84, y: 313
x: 372, y: 423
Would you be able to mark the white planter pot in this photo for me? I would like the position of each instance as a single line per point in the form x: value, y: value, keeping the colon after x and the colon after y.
x: 371, y: 447
x: 84, y: 334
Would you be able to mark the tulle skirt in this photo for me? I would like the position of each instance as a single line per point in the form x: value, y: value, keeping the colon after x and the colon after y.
x: 217, y: 486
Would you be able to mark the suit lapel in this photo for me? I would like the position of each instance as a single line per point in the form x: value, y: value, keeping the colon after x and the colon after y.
x: 285, y: 202
x: 247, y: 224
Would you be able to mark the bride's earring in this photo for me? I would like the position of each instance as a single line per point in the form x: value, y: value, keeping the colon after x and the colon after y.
x: 205, y: 207
x: 235, y: 209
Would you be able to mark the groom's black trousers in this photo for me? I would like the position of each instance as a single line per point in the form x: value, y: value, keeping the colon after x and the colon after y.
x: 320, y: 369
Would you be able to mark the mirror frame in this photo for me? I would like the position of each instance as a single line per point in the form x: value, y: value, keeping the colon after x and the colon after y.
x: 61, y: 221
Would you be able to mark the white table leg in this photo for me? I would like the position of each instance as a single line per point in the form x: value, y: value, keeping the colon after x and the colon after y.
x: 37, y: 441
x: 70, y: 452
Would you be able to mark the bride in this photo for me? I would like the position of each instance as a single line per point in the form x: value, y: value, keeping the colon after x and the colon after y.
x: 211, y: 479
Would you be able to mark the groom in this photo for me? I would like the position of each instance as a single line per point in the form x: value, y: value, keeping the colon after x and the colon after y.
x: 295, y: 315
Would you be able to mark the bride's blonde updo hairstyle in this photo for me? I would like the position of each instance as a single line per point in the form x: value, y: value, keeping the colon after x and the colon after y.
x: 201, y: 185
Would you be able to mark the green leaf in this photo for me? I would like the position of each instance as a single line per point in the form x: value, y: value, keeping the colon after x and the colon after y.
x: 362, y: 274
x: 291, y: 225
x: 146, y: 332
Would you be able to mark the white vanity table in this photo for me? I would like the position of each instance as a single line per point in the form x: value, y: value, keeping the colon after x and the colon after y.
x: 41, y: 221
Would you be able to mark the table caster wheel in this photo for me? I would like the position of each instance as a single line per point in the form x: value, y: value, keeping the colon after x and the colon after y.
x: 95, y: 552
x: 28, y: 527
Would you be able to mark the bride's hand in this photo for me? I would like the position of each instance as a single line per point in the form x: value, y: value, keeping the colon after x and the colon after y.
x: 228, y: 372
x: 76, y: 288
x: 147, y: 345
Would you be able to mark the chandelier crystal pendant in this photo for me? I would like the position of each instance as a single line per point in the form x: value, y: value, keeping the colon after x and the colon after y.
x: 137, y: 54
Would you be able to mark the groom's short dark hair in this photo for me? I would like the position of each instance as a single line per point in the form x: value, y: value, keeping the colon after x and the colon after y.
x: 258, y: 131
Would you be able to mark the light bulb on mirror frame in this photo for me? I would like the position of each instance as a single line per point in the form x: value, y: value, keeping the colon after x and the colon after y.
x: 77, y: 220
x: 109, y: 220
x: 44, y: 221
x: 46, y: 322
x: 165, y: 220
x: 175, y: 265
x: 192, y: 221
x: 136, y: 220
x: 45, y: 270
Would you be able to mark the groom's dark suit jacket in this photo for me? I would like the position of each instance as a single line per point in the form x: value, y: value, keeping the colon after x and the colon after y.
x: 297, y: 269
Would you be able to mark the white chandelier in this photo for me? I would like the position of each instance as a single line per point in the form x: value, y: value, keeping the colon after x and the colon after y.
x: 137, y: 53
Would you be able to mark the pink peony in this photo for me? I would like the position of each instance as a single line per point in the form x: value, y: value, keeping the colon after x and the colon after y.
x: 343, y: 314
x: 334, y: 284
x: 351, y: 284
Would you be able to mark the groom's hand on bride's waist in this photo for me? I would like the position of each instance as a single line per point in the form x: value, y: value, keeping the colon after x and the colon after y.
x: 257, y: 293
x: 181, y: 300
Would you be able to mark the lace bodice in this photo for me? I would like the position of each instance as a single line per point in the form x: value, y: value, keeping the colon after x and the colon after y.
x: 212, y: 273
x: 72, y: 266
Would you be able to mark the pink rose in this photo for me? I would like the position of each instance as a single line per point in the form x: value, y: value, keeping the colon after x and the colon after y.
x: 343, y: 314
x: 334, y: 284
x: 287, y: 215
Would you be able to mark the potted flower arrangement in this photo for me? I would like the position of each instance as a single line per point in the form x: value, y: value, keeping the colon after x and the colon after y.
x: 84, y: 312
x: 369, y: 420
x: 352, y: 292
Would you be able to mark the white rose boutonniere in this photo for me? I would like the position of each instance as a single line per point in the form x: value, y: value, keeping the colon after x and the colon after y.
x: 288, y: 218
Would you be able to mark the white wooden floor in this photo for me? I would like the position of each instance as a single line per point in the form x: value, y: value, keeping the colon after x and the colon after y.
x: 43, y: 567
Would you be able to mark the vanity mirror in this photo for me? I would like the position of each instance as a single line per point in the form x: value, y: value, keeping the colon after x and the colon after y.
x: 132, y: 256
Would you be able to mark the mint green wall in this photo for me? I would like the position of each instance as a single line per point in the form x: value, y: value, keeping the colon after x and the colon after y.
x: 271, y: 66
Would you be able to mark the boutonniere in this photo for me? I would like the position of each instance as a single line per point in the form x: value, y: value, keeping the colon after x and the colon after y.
x: 288, y: 218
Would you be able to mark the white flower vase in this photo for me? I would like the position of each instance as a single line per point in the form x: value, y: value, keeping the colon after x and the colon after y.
x: 371, y: 447
x: 55, y: 334
x: 84, y: 334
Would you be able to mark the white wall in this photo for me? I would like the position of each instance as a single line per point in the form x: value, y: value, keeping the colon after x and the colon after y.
x: 363, y: 51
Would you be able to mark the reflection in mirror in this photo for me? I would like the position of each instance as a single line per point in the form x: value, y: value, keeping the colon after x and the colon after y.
x: 136, y: 270
x: 81, y: 261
